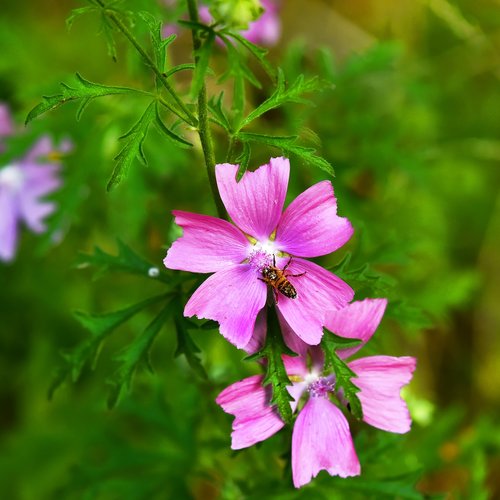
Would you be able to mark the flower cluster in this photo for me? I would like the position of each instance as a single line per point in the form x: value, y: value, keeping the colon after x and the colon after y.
x: 24, y: 183
x: 262, y: 258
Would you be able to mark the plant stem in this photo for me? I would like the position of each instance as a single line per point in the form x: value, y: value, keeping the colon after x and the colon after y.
x: 203, y: 123
x: 186, y: 115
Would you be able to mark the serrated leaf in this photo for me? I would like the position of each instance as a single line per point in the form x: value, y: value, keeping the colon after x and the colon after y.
x: 276, y: 374
x: 108, y: 31
x: 159, y: 43
x: 100, y: 327
x: 202, y: 57
x: 363, y: 278
x: 288, y: 145
x: 81, y: 89
x: 243, y: 160
x: 134, y: 140
x: 75, y: 13
x: 258, y: 52
x: 343, y: 374
x: 283, y: 95
x: 187, y: 347
x: 217, y: 111
x: 134, y: 354
x: 171, y: 135
x: 126, y: 260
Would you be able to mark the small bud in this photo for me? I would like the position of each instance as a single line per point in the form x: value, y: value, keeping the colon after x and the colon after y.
x: 153, y: 272
x: 236, y: 14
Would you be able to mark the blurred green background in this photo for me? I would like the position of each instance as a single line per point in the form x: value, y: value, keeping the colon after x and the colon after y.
x: 412, y: 129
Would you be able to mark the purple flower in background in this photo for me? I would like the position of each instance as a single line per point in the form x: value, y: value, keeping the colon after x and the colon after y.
x: 6, y: 126
x: 23, y: 185
x: 321, y: 439
x: 262, y: 235
x: 266, y: 30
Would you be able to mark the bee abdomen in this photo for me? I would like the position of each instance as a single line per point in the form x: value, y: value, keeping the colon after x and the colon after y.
x: 287, y: 289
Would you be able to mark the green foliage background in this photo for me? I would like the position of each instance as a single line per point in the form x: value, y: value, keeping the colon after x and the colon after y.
x: 408, y: 117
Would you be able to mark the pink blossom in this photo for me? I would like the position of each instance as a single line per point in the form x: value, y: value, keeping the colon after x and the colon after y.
x: 262, y: 234
x: 266, y: 30
x: 23, y: 185
x: 321, y: 439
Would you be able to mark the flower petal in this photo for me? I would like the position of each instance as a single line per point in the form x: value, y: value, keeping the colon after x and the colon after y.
x: 255, y: 419
x: 357, y: 320
x: 318, y: 291
x: 258, y: 339
x: 39, y: 181
x: 8, y: 225
x: 256, y: 201
x: 233, y: 297
x: 321, y: 440
x: 207, y: 245
x: 310, y: 226
x: 380, y: 379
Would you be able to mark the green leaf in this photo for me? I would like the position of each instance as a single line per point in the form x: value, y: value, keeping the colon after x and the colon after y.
x: 258, y: 52
x: 243, y: 159
x: 363, y: 277
x: 187, y: 347
x: 100, y: 327
x: 179, y: 67
x: 158, y: 42
x: 133, y: 147
x: 343, y: 374
x: 276, y: 374
x: 283, y: 95
x: 75, y: 13
x: 401, y: 486
x: 81, y: 89
x: 218, y: 113
x: 136, y: 353
x: 202, y: 57
x: 172, y: 136
x: 126, y: 261
x: 288, y: 146
x: 108, y: 31
x: 342, y: 342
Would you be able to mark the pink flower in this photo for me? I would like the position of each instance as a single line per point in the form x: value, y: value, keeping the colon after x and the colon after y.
x: 23, y: 185
x: 267, y: 29
x: 262, y: 234
x: 321, y: 438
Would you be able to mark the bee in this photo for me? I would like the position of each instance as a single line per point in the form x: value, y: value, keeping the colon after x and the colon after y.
x: 278, y: 279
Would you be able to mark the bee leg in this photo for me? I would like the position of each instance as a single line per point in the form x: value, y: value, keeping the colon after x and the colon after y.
x: 276, y: 295
x: 274, y: 260
x: 296, y: 275
x: 287, y: 264
x: 262, y: 279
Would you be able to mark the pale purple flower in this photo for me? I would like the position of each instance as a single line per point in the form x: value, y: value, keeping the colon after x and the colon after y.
x: 6, y: 126
x: 321, y: 439
x: 235, y: 294
x: 24, y: 184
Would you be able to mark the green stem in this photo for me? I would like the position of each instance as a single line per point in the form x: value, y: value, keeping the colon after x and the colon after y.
x: 203, y: 123
x: 186, y: 115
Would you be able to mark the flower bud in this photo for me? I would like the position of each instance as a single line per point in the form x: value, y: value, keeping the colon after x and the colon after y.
x: 236, y: 14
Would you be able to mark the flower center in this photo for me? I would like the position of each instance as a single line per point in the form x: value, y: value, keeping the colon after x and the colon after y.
x: 320, y: 387
x: 12, y: 177
x: 261, y: 255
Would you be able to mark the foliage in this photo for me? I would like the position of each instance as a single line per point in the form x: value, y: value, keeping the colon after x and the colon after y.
x: 409, y: 127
